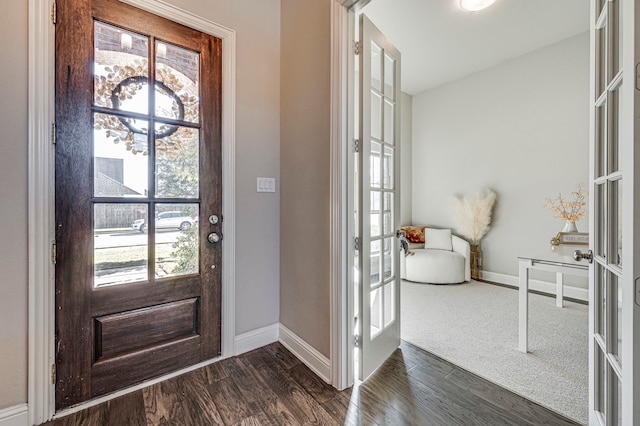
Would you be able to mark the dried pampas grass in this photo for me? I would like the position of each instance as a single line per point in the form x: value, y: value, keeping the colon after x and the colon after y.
x: 473, y: 214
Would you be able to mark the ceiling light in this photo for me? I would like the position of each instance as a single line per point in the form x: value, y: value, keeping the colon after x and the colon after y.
x: 475, y: 5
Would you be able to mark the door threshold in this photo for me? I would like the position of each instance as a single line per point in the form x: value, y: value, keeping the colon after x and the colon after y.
x: 130, y: 389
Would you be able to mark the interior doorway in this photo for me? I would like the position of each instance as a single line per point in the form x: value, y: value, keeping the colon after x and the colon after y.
x: 584, y: 152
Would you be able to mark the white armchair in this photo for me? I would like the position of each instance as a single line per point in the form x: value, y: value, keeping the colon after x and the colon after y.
x: 443, y: 259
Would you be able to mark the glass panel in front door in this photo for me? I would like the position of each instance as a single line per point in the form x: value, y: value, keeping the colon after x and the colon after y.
x: 177, y: 166
x: 158, y: 170
x: 120, y: 59
x: 119, y: 257
x: 177, y: 83
x: 176, y: 239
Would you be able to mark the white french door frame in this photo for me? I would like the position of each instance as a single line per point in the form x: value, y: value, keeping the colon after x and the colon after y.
x: 378, y: 341
x: 624, y: 81
x: 631, y: 220
x: 41, y: 113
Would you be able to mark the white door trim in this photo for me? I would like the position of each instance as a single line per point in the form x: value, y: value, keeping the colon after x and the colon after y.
x: 41, y: 191
x: 41, y: 211
x: 342, y: 191
x: 341, y: 351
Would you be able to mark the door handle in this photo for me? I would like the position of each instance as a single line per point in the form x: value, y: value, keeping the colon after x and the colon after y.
x: 579, y: 256
x: 214, y: 238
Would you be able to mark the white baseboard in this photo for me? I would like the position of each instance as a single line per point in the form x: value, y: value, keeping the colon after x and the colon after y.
x: 538, y: 285
x: 317, y: 362
x: 18, y: 415
x: 257, y: 338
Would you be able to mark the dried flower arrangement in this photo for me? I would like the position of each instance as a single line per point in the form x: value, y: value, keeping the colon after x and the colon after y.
x: 570, y: 211
x: 473, y: 214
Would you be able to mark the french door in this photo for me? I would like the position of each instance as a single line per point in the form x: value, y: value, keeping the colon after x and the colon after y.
x: 379, y: 198
x: 138, y: 197
x: 614, y: 321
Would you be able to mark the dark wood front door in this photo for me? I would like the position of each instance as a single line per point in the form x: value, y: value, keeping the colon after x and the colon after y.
x: 138, y: 180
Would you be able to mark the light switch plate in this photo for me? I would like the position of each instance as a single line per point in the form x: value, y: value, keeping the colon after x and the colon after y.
x: 265, y: 184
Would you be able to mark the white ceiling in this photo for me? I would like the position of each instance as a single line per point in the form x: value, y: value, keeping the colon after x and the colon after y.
x: 440, y: 43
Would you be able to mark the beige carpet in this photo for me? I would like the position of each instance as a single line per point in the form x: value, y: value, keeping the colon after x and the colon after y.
x: 475, y: 326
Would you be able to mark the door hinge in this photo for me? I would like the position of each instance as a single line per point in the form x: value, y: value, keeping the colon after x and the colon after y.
x: 356, y: 243
x: 53, y: 133
x: 357, y: 47
x: 356, y: 341
x: 54, y: 13
x: 53, y: 374
x: 356, y: 145
x: 54, y: 252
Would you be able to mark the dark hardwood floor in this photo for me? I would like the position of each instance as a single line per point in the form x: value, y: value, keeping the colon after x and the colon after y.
x: 269, y: 386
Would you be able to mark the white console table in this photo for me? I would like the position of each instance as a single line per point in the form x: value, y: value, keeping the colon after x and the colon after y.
x: 552, y: 263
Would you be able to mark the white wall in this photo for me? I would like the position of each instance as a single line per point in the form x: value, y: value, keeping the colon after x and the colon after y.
x: 520, y: 128
x: 406, y: 111
x: 13, y: 203
x: 257, y: 24
x: 305, y: 167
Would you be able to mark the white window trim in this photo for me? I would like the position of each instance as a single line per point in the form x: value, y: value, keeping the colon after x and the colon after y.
x: 41, y: 392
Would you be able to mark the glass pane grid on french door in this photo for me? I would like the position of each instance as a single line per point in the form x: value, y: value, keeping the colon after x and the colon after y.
x: 145, y: 157
x: 607, y: 202
x: 379, y: 77
x: 382, y: 157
